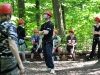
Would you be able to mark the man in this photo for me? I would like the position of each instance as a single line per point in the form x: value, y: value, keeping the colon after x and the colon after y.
x: 21, y: 36
x: 96, y: 39
x: 9, y: 55
x: 56, y: 43
x: 36, y: 42
x: 47, y: 41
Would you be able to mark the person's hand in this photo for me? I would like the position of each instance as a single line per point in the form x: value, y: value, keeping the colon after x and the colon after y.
x: 21, y: 71
x: 36, y: 50
x: 21, y: 68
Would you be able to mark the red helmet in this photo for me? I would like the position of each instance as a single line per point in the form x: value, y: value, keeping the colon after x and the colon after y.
x: 6, y: 8
x: 97, y: 19
x: 36, y: 31
x: 20, y: 21
x: 56, y: 31
x: 48, y: 12
x: 71, y: 30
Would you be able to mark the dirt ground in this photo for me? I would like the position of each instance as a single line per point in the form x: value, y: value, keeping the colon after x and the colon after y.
x: 79, y: 67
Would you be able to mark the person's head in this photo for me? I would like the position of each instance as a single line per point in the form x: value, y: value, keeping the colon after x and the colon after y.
x: 71, y: 32
x: 36, y: 32
x: 47, y: 15
x: 55, y: 33
x: 97, y: 20
x: 20, y: 21
x: 5, y: 12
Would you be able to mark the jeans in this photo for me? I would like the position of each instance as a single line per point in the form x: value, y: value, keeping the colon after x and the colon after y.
x: 47, y: 52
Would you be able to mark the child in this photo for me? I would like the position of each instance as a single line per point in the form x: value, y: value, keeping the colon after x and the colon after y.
x: 96, y: 39
x: 36, y: 42
x: 71, y: 44
x: 56, y: 44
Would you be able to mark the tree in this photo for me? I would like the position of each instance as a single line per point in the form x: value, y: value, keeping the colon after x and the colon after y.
x: 59, y: 23
x: 38, y: 12
x: 21, y: 8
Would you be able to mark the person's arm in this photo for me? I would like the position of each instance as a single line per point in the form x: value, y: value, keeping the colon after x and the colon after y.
x: 59, y: 41
x: 44, y: 32
x: 53, y: 35
x: 95, y: 32
x: 33, y: 41
x: 12, y: 39
x: 14, y: 50
x: 40, y: 42
x: 27, y: 37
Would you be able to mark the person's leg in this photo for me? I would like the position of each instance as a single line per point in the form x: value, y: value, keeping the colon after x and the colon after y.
x: 59, y: 51
x: 49, y: 60
x: 40, y: 52
x: 32, y: 55
x: 99, y: 48
x: 93, y: 49
x: 23, y: 52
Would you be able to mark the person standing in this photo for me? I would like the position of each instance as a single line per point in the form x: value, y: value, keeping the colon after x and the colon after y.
x: 96, y: 38
x: 36, y: 42
x: 21, y: 36
x: 56, y: 44
x: 47, y: 41
x: 71, y: 44
x: 9, y: 56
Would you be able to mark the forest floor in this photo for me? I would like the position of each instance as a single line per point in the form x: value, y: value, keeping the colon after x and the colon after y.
x: 79, y: 67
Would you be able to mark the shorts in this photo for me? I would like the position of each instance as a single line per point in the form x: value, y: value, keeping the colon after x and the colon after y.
x: 22, y: 45
x: 33, y: 50
x: 56, y: 49
x: 8, y: 63
x: 70, y: 47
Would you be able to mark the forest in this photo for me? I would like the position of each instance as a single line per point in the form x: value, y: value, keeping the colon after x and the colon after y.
x: 67, y: 14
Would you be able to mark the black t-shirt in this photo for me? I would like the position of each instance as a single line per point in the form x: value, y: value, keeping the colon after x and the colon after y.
x: 21, y: 32
x: 73, y: 40
x: 96, y: 29
x: 47, y: 26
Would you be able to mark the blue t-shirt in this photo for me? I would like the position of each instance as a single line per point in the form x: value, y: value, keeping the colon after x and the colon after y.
x: 36, y: 38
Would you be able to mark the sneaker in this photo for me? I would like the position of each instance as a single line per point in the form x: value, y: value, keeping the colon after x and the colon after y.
x: 46, y: 69
x: 52, y: 71
x: 31, y: 60
x: 25, y: 61
x: 57, y: 57
x: 74, y: 59
x: 89, y: 59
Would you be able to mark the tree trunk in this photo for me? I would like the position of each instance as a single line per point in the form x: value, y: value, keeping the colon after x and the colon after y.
x: 59, y: 23
x: 21, y: 8
x: 38, y: 12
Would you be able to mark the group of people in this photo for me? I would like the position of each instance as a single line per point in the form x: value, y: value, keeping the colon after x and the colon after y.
x: 11, y: 38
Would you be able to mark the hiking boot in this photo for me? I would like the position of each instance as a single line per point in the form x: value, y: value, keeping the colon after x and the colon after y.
x: 52, y: 71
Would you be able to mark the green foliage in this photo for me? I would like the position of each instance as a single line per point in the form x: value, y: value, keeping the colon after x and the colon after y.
x: 79, y: 16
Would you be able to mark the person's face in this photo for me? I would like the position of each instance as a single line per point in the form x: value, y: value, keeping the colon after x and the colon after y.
x: 97, y: 22
x: 70, y: 33
x: 46, y: 16
x: 36, y: 33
